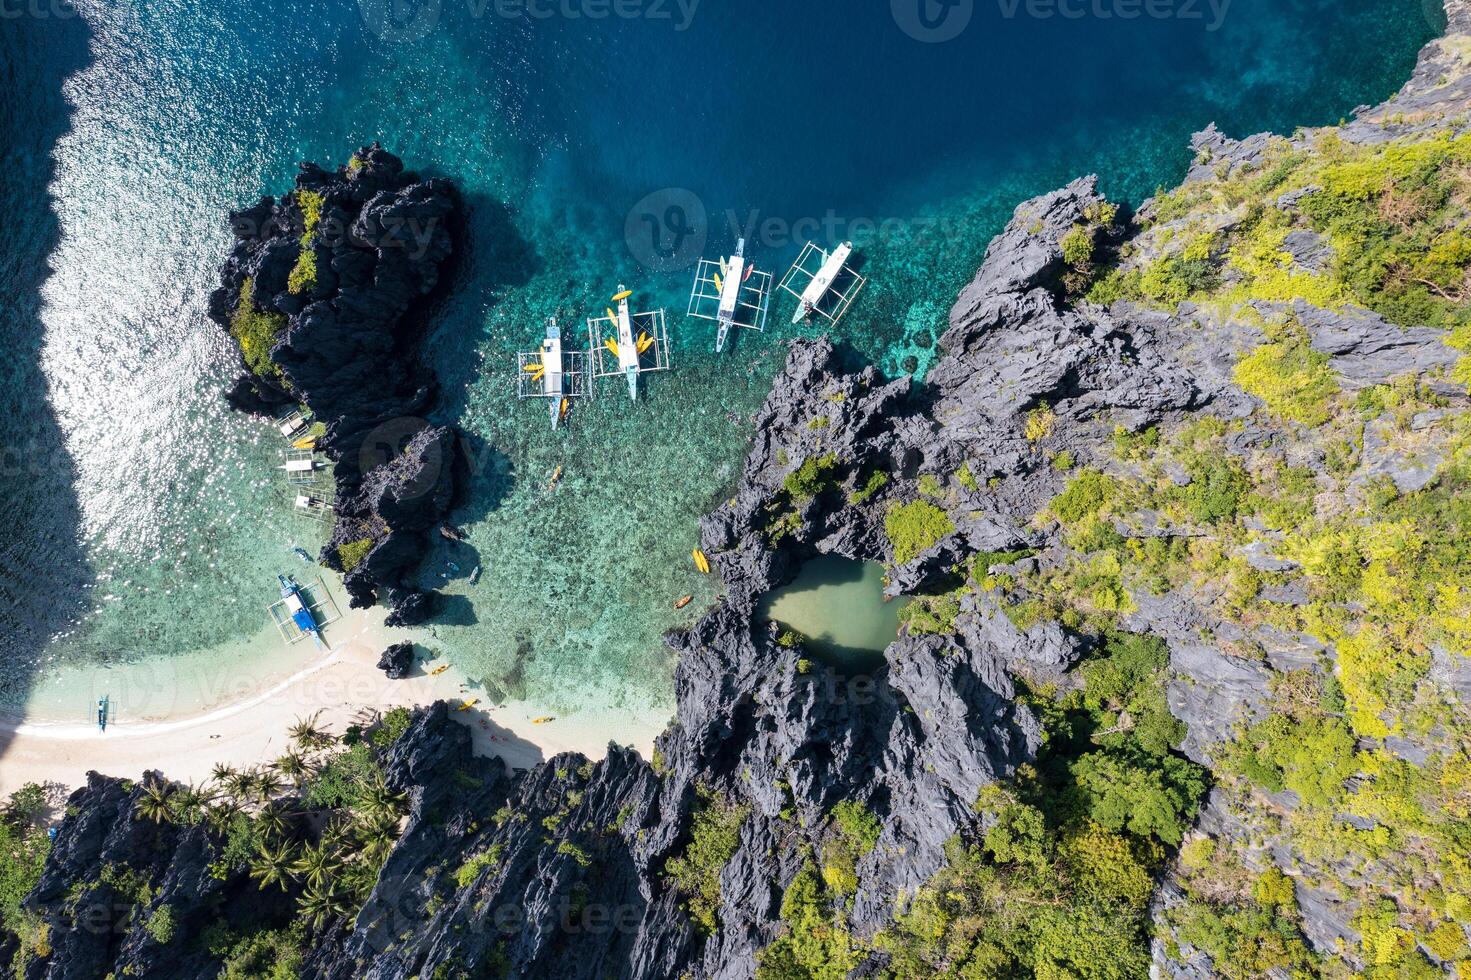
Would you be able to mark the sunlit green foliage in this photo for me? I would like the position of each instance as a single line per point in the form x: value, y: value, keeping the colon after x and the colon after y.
x: 812, y: 478
x: 914, y: 528
x: 714, y: 834
x: 1294, y: 380
x: 256, y: 332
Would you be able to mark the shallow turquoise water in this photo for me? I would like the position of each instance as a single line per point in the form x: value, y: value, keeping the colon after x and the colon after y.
x: 158, y: 521
x: 838, y: 607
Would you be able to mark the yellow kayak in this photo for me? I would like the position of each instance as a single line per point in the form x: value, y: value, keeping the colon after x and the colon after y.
x: 719, y: 283
x: 533, y: 368
x: 612, y: 346
x: 623, y: 296
x: 468, y: 704
x: 611, y: 315
x: 542, y: 721
x: 644, y: 342
x: 701, y: 562
x: 308, y: 443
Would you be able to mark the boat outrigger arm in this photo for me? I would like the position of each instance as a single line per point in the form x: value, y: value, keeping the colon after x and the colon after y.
x: 732, y: 293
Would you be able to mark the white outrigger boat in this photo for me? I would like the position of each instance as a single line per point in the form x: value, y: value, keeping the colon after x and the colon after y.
x: 633, y: 343
x: 826, y: 290
x: 553, y: 373
x: 732, y: 293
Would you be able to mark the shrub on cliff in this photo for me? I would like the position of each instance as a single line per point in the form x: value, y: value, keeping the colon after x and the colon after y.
x: 256, y: 332
x: 714, y: 835
x: 915, y: 528
x: 811, y: 479
x: 1293, y: 380
x: 352, y: 554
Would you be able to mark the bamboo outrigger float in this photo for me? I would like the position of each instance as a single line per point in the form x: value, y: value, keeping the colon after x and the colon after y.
x: 553, y: 373
x: 626, y: 345
x: 732, y: 293
x: 823, y: 283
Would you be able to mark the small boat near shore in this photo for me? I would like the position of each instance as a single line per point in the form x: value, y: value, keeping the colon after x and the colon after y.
x: 301, y: 614
x: 685, y: 601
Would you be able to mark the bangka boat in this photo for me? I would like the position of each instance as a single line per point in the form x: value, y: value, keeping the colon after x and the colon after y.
x: 731, y: 293
x: 685, y: 601
x: 633, y: 343
x: 554, y: 374
x: 301, y: 614
x: 827, y: 290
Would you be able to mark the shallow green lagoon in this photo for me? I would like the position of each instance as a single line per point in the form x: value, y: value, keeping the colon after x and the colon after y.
x: 838, y: 607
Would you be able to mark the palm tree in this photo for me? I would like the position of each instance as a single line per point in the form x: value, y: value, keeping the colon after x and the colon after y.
x: 339, y: 834
x: 272, y: 819
x: 267, y: 784
x: 154, y: 803
x: 378, y: 800
x: 293, y: 766
x: 317, y: 866
x: 222, y: 775
x: 240, y: 785
x: 219, y: 816
x: 188, y: 803
x: 305, y: 732
x: 379, y: 834
x: 321, y: 904
x: 272, y: 865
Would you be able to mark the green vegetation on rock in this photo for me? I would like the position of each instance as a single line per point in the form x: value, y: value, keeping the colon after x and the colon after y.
x: 256, y: 332
x: 714, y: 834
x: 915, y: 528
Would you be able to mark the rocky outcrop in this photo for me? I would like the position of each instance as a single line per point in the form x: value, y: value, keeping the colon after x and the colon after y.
x: 345, y: 265
x: 397, y: 661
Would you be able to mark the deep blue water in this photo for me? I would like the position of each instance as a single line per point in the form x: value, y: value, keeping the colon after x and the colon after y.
x: 821, y: 115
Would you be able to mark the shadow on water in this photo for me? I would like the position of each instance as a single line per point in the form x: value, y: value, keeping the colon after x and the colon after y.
x: 44, y: 576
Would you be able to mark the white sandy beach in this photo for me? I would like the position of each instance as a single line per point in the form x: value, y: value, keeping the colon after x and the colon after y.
x: 341, y: 686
